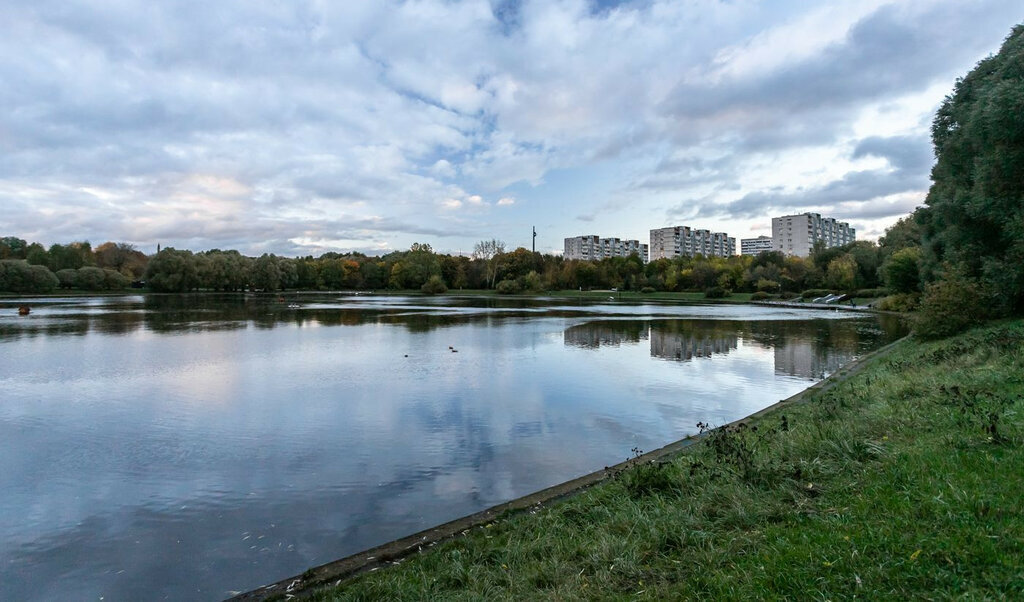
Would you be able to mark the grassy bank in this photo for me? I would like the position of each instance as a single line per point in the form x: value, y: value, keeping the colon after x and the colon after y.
x: 902, y: 482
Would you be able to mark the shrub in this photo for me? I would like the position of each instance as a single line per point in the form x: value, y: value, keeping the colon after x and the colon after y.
x: 532, y: 282
x: 68, y: 277
x: 90, y: 279
x: 768, y: 286
x: 508, y: 287
x: 761, y: 296
x: 647, y: 290
x: 434, y: 286
x: 902, y: 302
x: 114, y: 280
x: 951, y: 305
x: 716, y: 292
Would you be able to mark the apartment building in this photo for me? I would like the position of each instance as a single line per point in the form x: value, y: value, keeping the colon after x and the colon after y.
x: 797, y: 234
x: 675, y: 241
x: 592, y: 248
x: 755, y: 246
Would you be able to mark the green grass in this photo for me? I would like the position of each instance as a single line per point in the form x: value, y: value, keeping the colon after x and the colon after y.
x: 902, y: 482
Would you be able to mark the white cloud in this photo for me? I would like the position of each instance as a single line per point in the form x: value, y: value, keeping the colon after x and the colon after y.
x: 277, y: 126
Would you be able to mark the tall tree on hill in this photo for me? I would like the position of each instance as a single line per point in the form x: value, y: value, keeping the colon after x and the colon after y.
x: 974, y: 219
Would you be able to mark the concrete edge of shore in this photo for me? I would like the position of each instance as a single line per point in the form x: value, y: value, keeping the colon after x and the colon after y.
x: 333, y: 573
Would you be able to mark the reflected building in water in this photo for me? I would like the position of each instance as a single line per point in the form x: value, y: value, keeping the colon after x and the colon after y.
x: 805, y: 359
x: 594, y: 335
x: 681, y: 346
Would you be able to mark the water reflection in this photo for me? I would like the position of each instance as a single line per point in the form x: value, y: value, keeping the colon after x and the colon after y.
x: 188, y: 446
x: 810, y: 349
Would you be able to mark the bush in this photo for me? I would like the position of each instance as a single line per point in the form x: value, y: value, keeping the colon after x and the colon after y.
x: 508, y: 287
x: 434, y: 286
x: 90, y: 279
x: 902, y: 302
x: 532, y: 282
x: 871, y: 293
x: 768, y: 286
x: 814, y: 293
x: 17, y: 276
x: 68, y: 277
x: 114, y: 280
x: 761, y: 296
x: 716, y: 292
x: 952, y: 305
x: 647, y: 290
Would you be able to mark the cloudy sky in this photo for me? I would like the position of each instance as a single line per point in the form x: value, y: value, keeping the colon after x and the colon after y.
x: 301, y: 127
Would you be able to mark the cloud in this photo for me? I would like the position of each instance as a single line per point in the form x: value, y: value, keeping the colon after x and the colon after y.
x: 255, y: 124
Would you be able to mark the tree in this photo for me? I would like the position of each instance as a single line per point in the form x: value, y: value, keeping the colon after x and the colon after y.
x: 12, y: 247
x: 123, y: 257
x: 266, y: 275
x: 489, y: 251
x: 90, y: 279
x: 18, y: 276
x: 434, y: 285
x: 974, y: 214
x: 901, y: 271
x: 172, y: 271
x: 842, y: 273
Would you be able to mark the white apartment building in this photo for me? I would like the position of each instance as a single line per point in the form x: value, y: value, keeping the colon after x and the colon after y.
x: 796, y: 234
x: 674, y: 241
x: 592, y: 248
x: 755, y: 246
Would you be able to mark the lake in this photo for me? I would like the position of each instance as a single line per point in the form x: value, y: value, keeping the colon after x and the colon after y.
x: 191, y: 447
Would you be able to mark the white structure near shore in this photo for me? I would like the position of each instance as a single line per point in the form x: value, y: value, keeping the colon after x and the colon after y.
x: 676, y: 241
x: 797, y: 234
x: 592, y: 247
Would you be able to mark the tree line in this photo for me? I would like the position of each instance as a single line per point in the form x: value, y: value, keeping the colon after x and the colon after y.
x: 860, y: 265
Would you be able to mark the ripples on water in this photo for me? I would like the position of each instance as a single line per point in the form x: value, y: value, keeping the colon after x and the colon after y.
x: 188, y: 446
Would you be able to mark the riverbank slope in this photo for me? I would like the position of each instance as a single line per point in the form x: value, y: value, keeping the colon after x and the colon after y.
x: 902, y: 480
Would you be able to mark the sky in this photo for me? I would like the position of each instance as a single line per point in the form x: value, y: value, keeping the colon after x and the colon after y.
x: 303, y: 127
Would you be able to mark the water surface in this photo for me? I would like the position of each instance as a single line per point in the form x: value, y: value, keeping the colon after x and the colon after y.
x: 189, y: 447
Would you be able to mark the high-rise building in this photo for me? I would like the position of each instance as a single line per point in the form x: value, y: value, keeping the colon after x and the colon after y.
x: 755, y: 246
x: 675, y: 241
x: 592, y: 248
x: 797, y: 234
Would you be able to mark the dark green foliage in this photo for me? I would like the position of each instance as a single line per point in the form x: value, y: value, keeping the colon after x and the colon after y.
x: 974, y: 217
x: 952, y: 304
x: 434, y: 286
x: 761, y: 296
x: 90, y: 279
x: 172, y: 271
x: 902, y: 302
x: 715, y: 292
x: 18, y: 276
x: 648, y: 290
x: 508, y: 287
x: 901, y: 271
